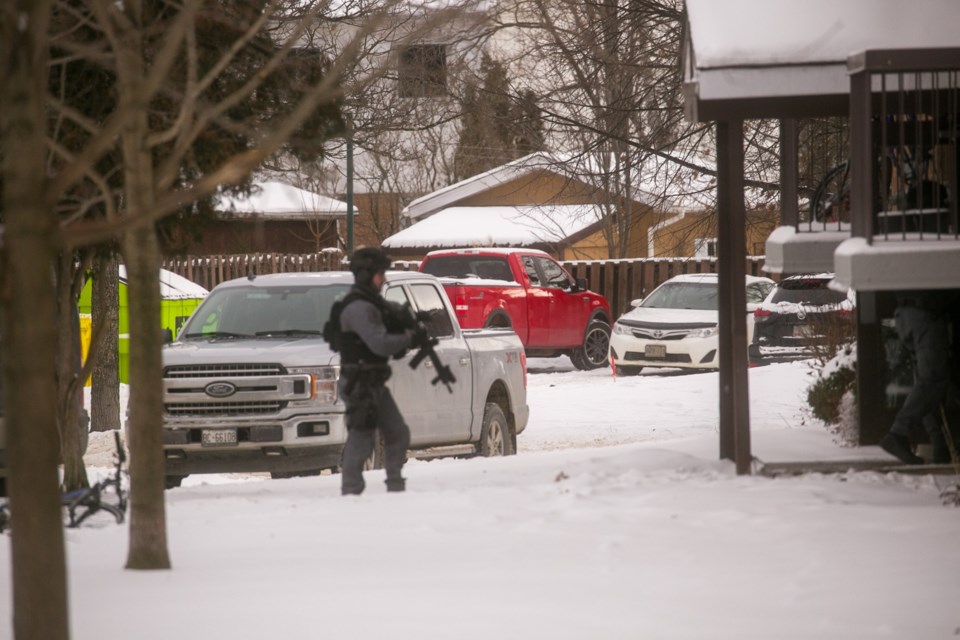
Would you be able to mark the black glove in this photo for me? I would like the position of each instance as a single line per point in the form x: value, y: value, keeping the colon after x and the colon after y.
x: 419, y: 337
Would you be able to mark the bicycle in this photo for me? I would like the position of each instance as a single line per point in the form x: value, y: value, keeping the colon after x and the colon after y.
x: 899, y: 170
x: 83, y: 503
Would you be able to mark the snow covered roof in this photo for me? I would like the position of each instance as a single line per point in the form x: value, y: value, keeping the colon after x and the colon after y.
x: 659, y: 182
x: 779, y: 49
x: 431, y: 202
x: 173, y: 286
x: 516, y: 226
x: 279, y: 201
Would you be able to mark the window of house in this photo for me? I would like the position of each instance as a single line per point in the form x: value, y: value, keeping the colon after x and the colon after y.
x: 705, y: 248
x: 422, y: 71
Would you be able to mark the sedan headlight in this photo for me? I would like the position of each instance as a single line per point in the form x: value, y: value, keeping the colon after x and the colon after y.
x: 323, y: 383
x: 620, y: 329
x: 709, y: 332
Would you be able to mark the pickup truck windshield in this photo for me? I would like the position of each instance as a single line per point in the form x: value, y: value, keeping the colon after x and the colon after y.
x: 483, y: 267
x: 683, y: 295
x: 264, y: 311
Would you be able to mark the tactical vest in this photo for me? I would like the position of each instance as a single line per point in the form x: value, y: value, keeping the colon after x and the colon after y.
x: 353, y: 349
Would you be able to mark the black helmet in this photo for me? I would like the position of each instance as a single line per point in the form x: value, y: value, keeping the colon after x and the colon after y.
x: 368, y: 261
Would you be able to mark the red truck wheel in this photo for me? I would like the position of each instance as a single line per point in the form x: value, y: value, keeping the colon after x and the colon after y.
x: 594, y: 352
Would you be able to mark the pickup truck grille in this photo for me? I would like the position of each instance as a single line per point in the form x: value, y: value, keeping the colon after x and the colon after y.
x: 252, y: 389
x: 223, y: 408
x: 222, y: 370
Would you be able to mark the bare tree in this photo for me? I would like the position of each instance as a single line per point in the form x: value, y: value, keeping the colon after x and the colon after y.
x: 105, y: 387
x: 608, y: 81
x: 29, y: 331
x: 158, y: 58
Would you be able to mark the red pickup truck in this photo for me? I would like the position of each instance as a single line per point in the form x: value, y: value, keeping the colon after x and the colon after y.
x: 529, y: 291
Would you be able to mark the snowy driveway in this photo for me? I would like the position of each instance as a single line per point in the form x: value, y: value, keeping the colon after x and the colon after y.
x: 570, y: 539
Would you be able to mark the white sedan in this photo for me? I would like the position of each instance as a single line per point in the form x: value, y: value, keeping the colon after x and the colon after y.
x: 676, y: 325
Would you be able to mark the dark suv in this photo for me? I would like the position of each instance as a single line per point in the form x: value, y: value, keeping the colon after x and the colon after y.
x: 800, y: 312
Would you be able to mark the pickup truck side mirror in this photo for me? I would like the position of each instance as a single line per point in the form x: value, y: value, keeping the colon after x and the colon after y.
x: 580, y: 284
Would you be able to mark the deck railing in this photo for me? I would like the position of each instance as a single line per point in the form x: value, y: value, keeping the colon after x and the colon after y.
x: 905, y: 113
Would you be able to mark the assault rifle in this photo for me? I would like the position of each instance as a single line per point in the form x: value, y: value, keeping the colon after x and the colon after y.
x: 402, y: 317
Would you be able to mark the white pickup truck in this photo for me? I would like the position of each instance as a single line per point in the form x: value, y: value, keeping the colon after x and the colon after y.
x: 250, y: 384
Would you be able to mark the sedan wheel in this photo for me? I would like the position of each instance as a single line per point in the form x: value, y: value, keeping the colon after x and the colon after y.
x: 625, y: 371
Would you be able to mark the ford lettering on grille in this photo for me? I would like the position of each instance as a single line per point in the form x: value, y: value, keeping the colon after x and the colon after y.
x: 220, y: 389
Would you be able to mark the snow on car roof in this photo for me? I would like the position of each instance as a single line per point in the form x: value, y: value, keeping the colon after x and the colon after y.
x: 315, y: 278
x: 809, y: 276
x: 711, y: 277
x: 487, y: 251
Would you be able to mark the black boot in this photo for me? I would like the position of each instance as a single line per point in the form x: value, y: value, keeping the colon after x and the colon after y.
x: 396, y: 484
x: 899, y: 447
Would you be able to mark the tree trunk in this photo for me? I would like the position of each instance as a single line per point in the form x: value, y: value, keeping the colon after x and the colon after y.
x: 148, y: 530
x: 105, y: 303
x: 73, y: 436
x: 141, y: 253
x: 29, y: 329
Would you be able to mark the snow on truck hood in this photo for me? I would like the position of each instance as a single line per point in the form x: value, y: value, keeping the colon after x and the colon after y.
x: 292, y: 352
x: 669, y: 316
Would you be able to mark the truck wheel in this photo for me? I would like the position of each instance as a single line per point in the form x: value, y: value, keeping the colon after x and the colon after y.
x: 595, y: 350
x: 375, y: 461
x: 495, y: 437
x: 283, y: 475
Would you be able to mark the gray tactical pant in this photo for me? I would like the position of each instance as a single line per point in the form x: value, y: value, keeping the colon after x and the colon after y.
x: 371, y: 408
x: 924, y: 333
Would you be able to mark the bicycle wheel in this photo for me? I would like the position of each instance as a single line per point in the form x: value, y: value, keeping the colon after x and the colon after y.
x: 831, y: 199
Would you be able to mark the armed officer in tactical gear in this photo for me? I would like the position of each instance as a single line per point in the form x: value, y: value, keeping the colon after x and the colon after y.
x: 366, y: 345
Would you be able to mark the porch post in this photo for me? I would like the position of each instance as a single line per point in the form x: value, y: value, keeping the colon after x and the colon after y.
x: 731, y: 267
x: 788, y: 172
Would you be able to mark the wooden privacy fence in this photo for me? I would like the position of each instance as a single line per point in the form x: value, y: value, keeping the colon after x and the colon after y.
x: 619, y: 280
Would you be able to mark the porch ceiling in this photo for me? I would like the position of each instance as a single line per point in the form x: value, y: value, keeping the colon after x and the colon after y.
x: 782, y: 58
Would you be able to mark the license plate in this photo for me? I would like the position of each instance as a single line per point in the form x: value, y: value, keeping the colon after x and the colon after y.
x: 218, y: 437
x: 655, y: 351
x: 803, y: 331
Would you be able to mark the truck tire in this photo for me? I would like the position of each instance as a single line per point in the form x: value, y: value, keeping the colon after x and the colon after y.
x: 375, y: 461
x: 495, y: 436
x: 284, y: 475
x: 595, y: 350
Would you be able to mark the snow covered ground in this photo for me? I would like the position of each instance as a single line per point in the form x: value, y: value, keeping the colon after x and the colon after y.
x: 616, y: 520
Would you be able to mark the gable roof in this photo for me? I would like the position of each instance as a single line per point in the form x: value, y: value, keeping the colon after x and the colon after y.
x: 441, y: 198
x: 515, y: 226
x: 764, y: 54
x: 280, y: 201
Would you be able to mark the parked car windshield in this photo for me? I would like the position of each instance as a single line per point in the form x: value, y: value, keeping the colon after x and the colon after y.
x: 470, y: 266
x: 807, y: 292
x: 262, y: 311
x: 683, y: 295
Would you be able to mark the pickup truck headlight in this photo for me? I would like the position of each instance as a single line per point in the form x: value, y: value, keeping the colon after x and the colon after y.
x: 323, y: 383
x: 709, y: 332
